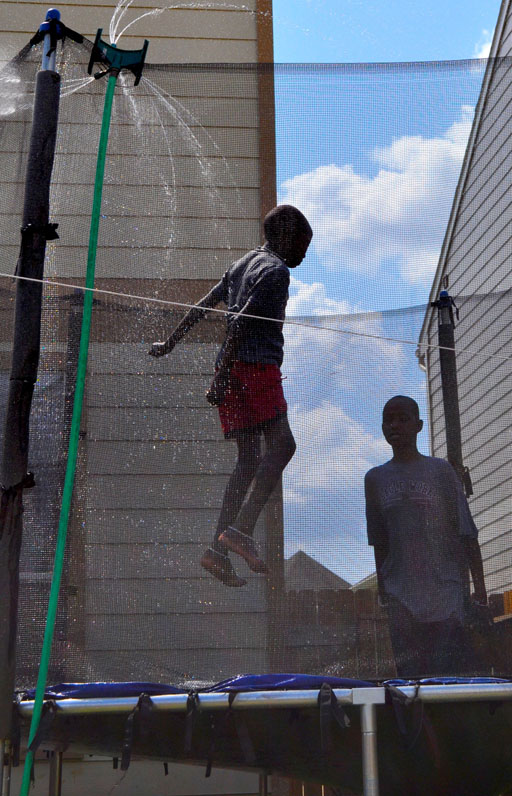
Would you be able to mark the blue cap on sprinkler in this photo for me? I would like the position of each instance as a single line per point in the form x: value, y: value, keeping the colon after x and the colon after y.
x: 52, y: 15
x: 443, y: 294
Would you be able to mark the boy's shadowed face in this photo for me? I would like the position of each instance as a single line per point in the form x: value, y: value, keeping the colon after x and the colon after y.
x: 401, y: 424
x: 297, y: 249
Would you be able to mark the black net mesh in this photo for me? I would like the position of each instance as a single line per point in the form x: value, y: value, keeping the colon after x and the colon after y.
x: 372, y: 155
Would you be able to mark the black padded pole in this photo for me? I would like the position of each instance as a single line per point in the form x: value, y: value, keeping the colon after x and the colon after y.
x: 448, y: 364
x: 35, y: 232
x: 25, y: 359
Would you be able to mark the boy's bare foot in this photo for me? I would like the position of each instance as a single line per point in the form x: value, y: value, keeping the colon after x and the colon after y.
x: 221, y: 568
x: 244, y: 546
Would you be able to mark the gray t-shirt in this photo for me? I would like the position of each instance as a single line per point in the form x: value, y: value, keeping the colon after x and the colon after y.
x: 418, y: 512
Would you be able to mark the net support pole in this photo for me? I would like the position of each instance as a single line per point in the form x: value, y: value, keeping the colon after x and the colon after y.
x: 114, y: 59
x: 448, y: 365
x: 35, y: 231
x: 74, y: 433
x: 7, y: 769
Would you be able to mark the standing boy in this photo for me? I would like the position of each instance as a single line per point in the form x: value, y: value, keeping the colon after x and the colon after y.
x: 424, y: 541
x: 247, y: 385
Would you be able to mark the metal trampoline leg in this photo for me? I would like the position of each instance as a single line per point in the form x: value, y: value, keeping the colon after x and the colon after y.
x: 6, y: 769
x: 55, y: 783
x: 263, y: 785
x: 369, y: 743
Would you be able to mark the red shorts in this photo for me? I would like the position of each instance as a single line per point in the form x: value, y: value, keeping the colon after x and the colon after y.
x: 254, y: 401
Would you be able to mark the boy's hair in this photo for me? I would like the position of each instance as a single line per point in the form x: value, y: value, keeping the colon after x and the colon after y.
x: 412, y: 403
x: 284, y: 222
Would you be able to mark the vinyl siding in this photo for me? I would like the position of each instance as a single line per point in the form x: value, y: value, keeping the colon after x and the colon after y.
x: 183, y: 35
x: 153, y: 463
x: 478, y: 264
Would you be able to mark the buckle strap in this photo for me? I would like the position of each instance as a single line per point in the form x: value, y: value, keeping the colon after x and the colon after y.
x: 329, y: 709
x: 141, y: 710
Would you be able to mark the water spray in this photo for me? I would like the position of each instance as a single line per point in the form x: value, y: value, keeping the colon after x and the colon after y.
x: 112, y: 61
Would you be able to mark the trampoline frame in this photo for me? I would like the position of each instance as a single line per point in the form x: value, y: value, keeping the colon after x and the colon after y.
x: 367, y: 699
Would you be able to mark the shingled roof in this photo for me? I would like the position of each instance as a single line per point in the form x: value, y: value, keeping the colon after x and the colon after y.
x: 303, y: 572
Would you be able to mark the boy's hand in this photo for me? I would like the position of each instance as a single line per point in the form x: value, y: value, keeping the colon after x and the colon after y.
x: 217, y: 391
x: 479, y: 597
x: 160, y: 349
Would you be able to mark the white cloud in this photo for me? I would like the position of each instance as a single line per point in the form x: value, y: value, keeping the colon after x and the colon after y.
x: 399, y: 215
x: 347, y: 449
x: 336, y: 384
x: 312, y: 299
x: 483, y: 47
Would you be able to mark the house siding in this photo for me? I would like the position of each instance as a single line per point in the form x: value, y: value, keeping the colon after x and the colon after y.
x: 153, y: 463
x: 477, y: 263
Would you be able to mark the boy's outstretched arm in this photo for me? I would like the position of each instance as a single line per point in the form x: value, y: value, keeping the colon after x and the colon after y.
x: 193, y: 316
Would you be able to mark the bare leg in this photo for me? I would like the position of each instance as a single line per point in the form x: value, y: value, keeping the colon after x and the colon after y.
x: 249, y: 459
x: 215, y: 560
x: 280, y: 447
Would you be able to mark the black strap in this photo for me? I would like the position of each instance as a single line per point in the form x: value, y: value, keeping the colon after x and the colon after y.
x: 401, y: 702
x: 48, y: 231
x: 58, y: 31
x: 329, y: 709
x: 244, y: 738
x: 241, y: 729
x: 141, y: 711
x: 192, y: 700
x: 48, y: 714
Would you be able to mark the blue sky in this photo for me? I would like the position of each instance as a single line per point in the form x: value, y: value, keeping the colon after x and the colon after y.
x: 372, y: 156
x: 359, y: 31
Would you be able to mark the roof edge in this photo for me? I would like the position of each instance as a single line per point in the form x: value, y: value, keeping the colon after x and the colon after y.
x: 468, y: 156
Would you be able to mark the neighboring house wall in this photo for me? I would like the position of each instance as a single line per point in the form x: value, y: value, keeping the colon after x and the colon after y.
x: 148, y: 504
x: 477, y: 262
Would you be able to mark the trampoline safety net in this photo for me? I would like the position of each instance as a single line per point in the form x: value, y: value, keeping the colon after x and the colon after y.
x: 372, y: 156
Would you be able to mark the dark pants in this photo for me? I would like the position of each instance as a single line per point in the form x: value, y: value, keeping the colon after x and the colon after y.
x: 429, y: 649
x: 255, y: 476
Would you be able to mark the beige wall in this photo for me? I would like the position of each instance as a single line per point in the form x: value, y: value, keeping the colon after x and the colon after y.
x: 228, y: 33
x: 153, y: 464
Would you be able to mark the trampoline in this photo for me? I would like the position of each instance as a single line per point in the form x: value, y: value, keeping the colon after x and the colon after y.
x: 190, y: 162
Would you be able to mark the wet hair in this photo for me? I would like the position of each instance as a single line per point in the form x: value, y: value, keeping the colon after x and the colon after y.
x: 410, y: 401
x: 283, y: 223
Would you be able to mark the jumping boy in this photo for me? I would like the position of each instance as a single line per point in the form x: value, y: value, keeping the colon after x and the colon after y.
x: 247, y: 385
x: 424, y: 541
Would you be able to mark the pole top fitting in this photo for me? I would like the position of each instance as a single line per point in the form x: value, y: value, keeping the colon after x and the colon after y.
x: 115, y: 59
x: 56, y: 29
x: 52, y: 23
